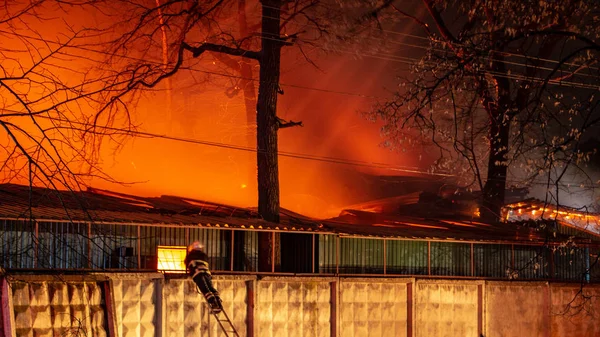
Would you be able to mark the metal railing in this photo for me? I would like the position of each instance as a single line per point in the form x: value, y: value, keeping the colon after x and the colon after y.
x: 96, y: 246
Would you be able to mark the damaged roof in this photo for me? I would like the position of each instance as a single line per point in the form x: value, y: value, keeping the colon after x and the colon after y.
x: 100, y: 206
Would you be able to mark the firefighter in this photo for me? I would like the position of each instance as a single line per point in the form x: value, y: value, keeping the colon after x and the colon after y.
x: 196, y: 262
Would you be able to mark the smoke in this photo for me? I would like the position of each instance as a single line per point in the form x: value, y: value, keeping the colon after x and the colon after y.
x: 333, y: 128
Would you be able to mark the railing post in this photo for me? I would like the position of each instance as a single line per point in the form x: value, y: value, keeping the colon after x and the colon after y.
x: 313, y: 253
x: 512, y: 258
x: 89, y: 245
x: 337, y: 254
x: 139, y: 246
x: 232, y: 249
x: 551, y: 258
x: 36, y: 244
x: 428, y: 257
x: 472, y: 260
x: 586, y: 252
x: 384, y: 257
x: 273, y: 252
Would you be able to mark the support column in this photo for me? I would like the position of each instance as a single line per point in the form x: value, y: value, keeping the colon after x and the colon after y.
x: 109, y: 303
x: 251, y: 293
x: 334, y: 308
x: 8, y: 319
x: 409, y: 309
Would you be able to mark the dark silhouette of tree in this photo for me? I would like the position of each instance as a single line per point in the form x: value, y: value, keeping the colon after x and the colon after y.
x: 508, y: 88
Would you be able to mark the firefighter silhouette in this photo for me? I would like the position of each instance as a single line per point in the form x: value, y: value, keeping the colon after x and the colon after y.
x: 196, y: 262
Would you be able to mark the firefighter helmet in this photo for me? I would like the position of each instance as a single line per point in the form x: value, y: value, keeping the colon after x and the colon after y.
x: 196, y: 245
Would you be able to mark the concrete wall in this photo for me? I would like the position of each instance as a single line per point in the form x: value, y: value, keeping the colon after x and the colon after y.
x: 514, y: 309
x: 144, y: 305
x: 55, y: 307
x: 137, y: 303
x: 374, y: 307
x: 186, y: 312
x: 293, y: 307
x: 447, y: 308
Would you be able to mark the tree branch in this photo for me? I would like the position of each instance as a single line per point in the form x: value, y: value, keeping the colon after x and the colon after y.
x: 439, y: 22
x: 282, y: 124
x: 197, y: 51
x: 424, y: 25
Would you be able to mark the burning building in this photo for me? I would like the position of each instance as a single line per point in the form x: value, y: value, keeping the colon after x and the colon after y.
x: 99, y: 241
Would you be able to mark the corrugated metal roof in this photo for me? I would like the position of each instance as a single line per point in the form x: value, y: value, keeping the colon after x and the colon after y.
x: 93, y: 205
x: 18, y: 202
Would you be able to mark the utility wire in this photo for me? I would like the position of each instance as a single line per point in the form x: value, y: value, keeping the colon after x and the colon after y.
x: 382, y: 56
x: 335, y: 160
x: 428, y: 39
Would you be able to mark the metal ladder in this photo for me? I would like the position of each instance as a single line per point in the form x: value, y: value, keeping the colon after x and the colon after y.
x: 225, y: 323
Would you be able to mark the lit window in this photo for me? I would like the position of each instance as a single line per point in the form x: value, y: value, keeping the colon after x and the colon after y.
x: 170, y: 259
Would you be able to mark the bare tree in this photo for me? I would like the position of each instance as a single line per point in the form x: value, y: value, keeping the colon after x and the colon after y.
x: 53, y: 117
x: 508, y: 87
x: 133, y: 45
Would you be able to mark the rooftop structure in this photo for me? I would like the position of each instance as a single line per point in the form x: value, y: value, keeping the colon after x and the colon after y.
x: 426, y: 235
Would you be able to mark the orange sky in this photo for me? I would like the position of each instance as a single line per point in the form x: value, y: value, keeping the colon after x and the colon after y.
x: 333, y: 127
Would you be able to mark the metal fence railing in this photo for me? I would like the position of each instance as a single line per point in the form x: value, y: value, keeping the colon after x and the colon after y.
x: 96, y: 246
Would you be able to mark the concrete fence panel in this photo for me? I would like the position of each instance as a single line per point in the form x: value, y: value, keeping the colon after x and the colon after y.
x: 135, y: 300
x: 57, y: 308
x: 575, y: 310
x: 447, y: 308
x: 374, y: 307
x: 517, y: 309
x: 187, y: 312
x: 149, y: 305
x: 293, y: 307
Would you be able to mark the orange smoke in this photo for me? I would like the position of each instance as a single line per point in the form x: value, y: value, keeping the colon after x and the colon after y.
x: 333, y: 127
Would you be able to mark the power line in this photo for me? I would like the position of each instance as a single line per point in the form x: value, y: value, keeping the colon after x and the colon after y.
x: 334, y: 160
x: 302, y: 156
x: 384, y: 56
x: 535, y: 58
x: 327, y: 159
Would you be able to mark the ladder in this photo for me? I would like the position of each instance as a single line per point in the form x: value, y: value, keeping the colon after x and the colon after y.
x: 224, y: 322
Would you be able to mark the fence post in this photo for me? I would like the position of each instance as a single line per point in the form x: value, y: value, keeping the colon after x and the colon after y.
x: 8, y: 320
x: 333, y: 321
x: 480, y: 309
x: 251, y: 293
x: 409, y: 308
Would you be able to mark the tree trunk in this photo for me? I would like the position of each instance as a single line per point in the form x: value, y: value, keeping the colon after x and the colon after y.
x: 266, y: 113
x: 495, y: 185
x: 266, y: 122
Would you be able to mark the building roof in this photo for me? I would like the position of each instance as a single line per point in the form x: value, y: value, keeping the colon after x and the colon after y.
x: 19, y: 202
